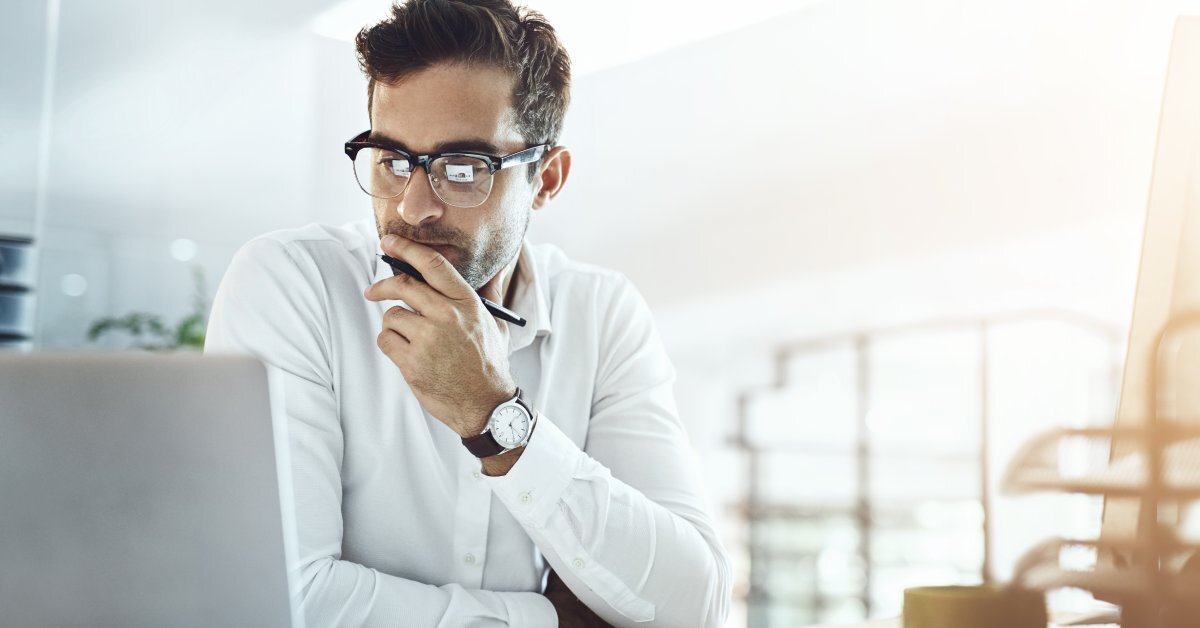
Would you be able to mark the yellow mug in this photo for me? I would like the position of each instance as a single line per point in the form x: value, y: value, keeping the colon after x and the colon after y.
x: 982, y: 606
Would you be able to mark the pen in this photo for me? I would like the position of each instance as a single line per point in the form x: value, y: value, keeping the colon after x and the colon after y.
x: 499, y: 311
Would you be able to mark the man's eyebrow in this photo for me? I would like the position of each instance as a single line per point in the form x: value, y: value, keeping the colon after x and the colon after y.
x: 470, y: 145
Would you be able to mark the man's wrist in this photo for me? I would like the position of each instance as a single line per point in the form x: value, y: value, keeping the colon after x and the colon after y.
x: 468, y: 429
x: 494, y: 459
x: 477, y: 420
x: 502, y: 463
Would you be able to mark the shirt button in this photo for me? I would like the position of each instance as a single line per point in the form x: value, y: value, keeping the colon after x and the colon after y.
x: 578, y: 563
x: 469, y: 559
x: 525, y: 498
x: 476, y: 475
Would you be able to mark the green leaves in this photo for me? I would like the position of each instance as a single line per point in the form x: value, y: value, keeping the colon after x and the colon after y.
x: 191, y: 331
x: 150, y: 333
x: 147, y: 330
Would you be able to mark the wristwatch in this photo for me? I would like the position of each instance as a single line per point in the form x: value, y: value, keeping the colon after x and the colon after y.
x: 510, y: 427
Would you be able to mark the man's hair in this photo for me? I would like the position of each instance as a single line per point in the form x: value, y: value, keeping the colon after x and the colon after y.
x: 422, y: 33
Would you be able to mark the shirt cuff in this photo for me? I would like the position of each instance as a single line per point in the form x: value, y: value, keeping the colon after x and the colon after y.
x: 533, y: 486
x: 530, y: 609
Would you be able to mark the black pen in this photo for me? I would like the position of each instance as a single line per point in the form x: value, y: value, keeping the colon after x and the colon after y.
x: 499, y: 311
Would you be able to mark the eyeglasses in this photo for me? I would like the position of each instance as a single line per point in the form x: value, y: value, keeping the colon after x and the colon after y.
x: 459, y: 179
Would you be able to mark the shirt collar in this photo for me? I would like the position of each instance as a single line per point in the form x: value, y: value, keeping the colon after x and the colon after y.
x: 529, y: 300
x: 529, y: 296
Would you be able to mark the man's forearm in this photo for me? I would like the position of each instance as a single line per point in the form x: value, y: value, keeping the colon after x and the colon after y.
x: 340, y: 592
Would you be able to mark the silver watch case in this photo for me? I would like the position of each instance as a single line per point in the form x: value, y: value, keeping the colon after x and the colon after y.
x: 497, y: 414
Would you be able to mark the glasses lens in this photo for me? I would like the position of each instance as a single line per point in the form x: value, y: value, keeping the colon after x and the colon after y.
x: 382, y: 173
x: 461, y: 181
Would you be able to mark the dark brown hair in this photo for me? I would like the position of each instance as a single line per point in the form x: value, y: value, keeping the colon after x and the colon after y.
x: 422, y: 33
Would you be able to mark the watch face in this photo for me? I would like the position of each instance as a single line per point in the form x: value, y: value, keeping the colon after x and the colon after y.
x: 510, y: 426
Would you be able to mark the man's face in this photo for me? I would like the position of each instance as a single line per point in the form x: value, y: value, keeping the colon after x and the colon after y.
x: 469, y: 110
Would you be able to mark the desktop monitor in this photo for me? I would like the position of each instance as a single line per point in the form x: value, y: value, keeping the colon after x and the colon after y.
x: 1162, y: 365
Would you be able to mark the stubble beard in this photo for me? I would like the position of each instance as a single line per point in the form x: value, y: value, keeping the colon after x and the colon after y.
x: 476, y: 269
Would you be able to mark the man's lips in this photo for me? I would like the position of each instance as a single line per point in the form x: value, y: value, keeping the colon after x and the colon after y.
x: 440, y: 247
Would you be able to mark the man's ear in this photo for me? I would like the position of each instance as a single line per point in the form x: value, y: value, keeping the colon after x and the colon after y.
x: 556, y: 165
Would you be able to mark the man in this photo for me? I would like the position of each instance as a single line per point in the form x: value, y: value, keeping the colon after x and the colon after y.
x: 452, y: 469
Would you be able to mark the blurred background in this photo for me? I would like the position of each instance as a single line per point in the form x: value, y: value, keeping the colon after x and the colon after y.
x: 885, y: 241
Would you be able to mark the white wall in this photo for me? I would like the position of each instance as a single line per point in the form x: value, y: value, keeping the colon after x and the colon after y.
x: 214, y: 141
x: 858, y: 133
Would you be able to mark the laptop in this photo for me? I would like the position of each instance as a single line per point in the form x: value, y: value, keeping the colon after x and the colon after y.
x: 143, y: 490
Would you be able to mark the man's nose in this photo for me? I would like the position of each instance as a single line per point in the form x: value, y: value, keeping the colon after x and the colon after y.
x: 419, y: 203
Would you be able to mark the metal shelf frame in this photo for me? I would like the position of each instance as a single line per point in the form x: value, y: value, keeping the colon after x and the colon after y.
x: 756, y: 509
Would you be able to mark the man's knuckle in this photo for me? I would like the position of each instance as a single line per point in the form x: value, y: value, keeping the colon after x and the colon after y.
x: 445, y: 310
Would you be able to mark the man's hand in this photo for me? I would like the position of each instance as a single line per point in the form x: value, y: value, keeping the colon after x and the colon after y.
x: 571, y: 612
x: 452, y: 352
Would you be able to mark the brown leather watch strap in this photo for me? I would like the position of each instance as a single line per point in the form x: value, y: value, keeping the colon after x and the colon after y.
x: 485, y: 445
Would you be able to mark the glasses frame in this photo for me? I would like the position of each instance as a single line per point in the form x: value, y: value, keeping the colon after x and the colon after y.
x: 494, y: 163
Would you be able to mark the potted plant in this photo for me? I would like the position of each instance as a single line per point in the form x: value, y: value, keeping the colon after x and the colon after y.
x: 149, y: 332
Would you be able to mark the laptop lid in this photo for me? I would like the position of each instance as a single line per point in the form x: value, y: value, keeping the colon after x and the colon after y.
x: 142, y: 490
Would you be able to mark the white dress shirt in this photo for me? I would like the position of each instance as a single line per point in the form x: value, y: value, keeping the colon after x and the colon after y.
x: 396, y: 524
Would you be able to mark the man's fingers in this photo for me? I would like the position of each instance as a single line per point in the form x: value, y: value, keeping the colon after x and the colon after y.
x: 390, y: 341
x: 403, y: 322
x: 421, y: 297
x: 436, y: 269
